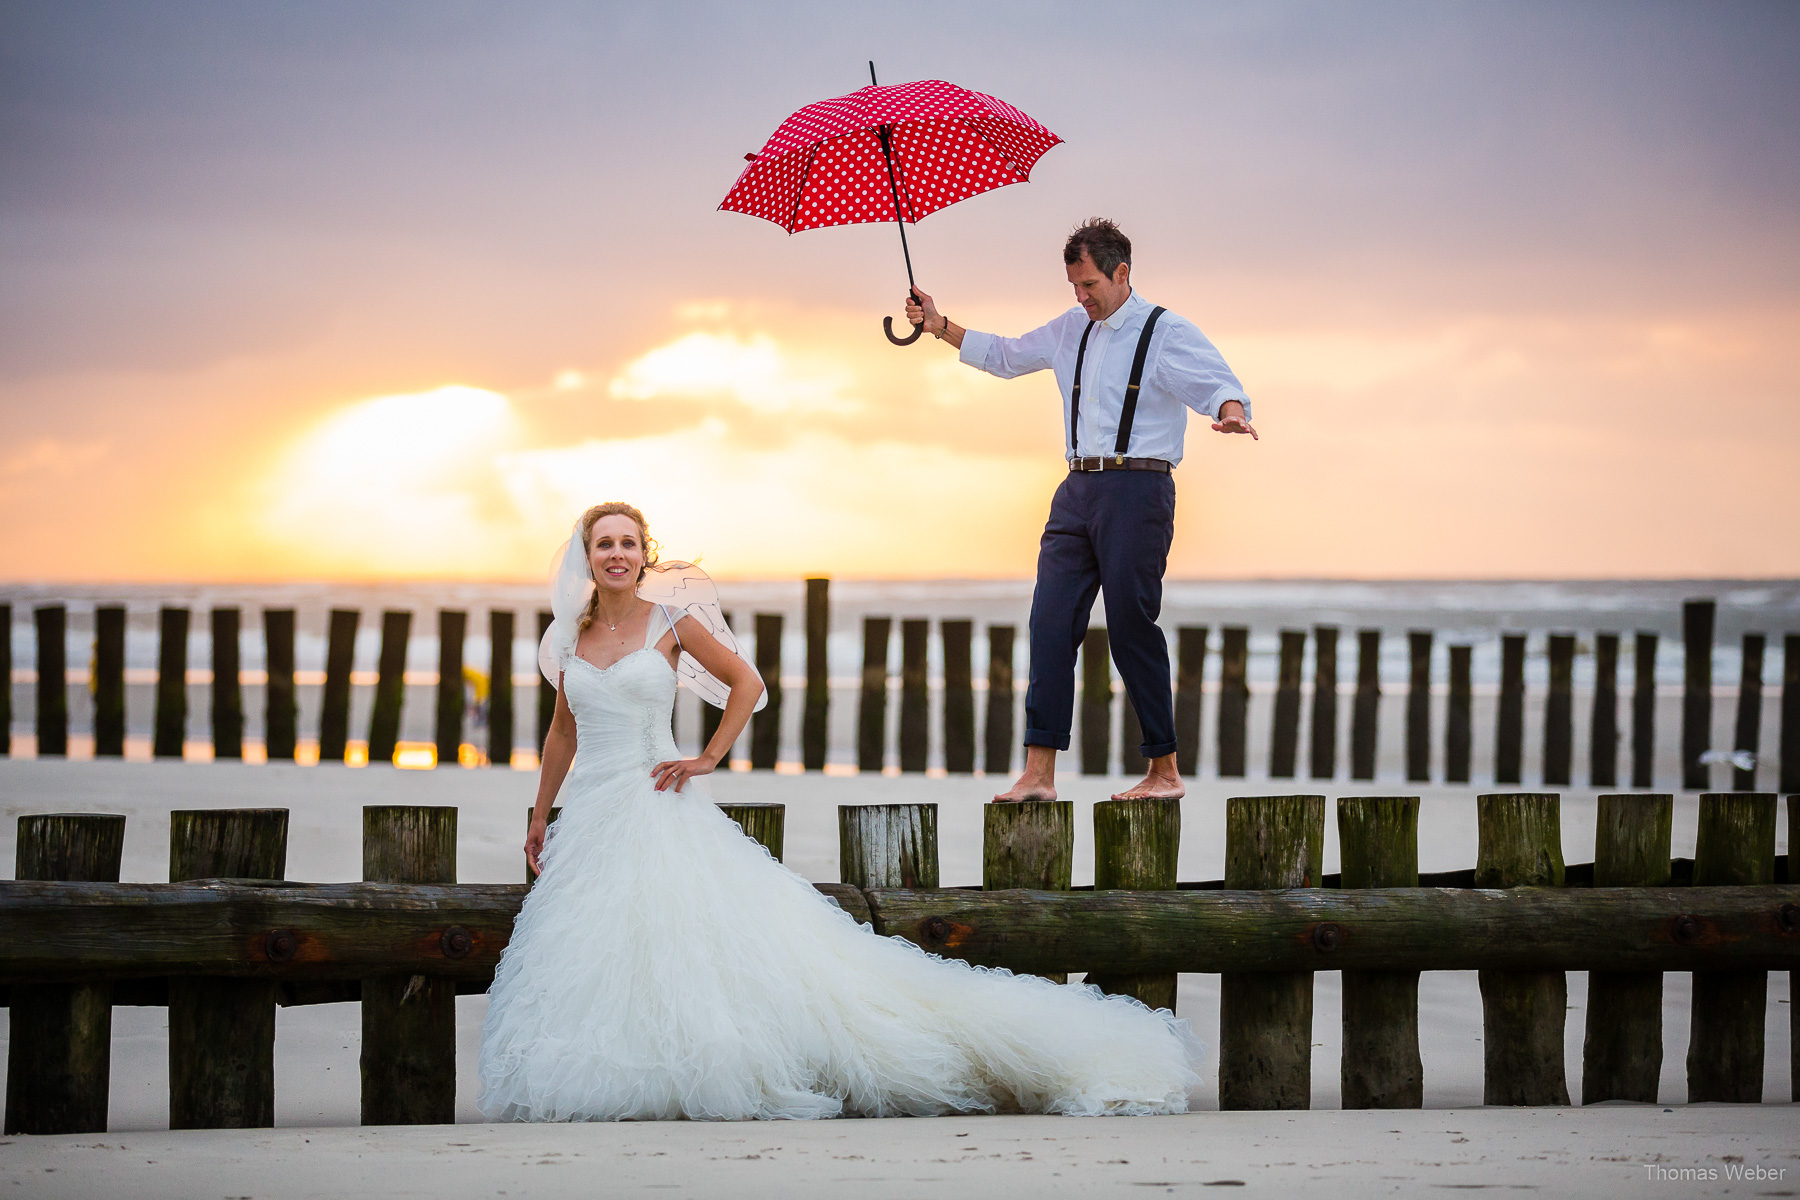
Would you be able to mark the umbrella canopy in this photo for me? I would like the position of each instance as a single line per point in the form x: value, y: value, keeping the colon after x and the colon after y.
x: 827, y: 164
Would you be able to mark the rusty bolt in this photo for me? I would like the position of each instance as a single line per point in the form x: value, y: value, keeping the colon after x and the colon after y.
x: 1326, y: 936
x: 1789, y: 918
x: 280, y: 945
x: 456, y: 942
x: 936, y: 928
x: 1688, y: 929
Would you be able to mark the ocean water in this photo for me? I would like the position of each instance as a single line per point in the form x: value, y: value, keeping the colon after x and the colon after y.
x: 1473, y: 613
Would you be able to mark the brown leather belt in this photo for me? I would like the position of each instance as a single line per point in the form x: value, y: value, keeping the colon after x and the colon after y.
x: 1113, y: 462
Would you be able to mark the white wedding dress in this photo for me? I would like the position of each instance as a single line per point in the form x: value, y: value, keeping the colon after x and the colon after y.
x: 665, y: 966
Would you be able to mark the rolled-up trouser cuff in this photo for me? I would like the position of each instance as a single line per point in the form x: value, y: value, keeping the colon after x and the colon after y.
x: 1056, y: 741
x: 1158, y: 750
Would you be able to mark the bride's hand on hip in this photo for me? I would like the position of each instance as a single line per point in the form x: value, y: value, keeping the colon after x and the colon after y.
x: 677, y: 772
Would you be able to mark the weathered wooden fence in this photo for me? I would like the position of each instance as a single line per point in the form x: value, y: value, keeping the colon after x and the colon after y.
x: 958, y: 735
x: 227, y: 941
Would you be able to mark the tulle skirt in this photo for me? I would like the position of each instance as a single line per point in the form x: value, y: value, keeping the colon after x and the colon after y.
x: 665, y: 966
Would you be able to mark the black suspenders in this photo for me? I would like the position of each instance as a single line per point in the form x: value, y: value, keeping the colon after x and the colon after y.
x: 1123, y: 442
x: 1075, y: 395
x: 1131, y: 388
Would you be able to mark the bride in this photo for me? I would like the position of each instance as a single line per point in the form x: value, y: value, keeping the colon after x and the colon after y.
x: 665, y: 966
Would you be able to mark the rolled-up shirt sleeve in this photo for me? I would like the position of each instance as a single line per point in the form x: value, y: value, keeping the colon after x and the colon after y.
x: 1189, y: 366
x: 1011, y: 357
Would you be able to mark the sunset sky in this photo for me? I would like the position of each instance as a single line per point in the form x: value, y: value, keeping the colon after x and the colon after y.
x: 394, y: 290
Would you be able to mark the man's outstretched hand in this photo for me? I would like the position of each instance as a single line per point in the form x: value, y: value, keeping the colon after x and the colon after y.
x: 1232, y: 420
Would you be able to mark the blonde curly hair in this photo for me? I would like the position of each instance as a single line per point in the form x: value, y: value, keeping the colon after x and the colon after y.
x: 613, y: 508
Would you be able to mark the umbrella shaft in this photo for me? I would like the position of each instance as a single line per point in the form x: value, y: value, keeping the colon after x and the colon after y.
x: 894, y: 190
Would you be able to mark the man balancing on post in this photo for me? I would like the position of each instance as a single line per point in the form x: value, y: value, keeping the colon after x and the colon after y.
x: 1126, y: 369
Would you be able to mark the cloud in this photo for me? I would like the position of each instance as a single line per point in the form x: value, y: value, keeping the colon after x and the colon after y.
x: 753, y: 371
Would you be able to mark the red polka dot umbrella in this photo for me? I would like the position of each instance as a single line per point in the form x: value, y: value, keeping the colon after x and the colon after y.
x: 887, y: 154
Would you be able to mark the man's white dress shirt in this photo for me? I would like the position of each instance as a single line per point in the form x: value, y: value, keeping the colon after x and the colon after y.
x: 1183, y: 371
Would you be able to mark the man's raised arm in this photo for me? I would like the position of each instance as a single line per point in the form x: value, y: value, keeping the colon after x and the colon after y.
x: 1005, y: 357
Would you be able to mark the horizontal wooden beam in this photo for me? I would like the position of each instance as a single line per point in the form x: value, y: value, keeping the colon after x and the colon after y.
x: 305, y: 934
x: 1308, y: 929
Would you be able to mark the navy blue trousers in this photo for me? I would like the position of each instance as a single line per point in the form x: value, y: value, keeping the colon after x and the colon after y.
x: 1108, y: 532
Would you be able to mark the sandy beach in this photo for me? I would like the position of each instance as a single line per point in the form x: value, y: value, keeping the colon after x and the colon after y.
x: 1608, y: 1151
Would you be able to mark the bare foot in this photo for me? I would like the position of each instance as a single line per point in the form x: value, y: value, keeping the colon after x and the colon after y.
x: 1161, y: 782
x: 1039, y: 780
x: 1027, y: 788
x: 1153, y: 787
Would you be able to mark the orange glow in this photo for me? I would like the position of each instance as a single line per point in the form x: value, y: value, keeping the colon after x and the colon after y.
x: 775, y: 443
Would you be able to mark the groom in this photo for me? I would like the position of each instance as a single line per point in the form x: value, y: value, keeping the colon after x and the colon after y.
x: 1128, y: 371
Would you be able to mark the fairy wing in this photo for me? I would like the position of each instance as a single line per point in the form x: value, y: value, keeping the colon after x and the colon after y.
x: 685, y: 589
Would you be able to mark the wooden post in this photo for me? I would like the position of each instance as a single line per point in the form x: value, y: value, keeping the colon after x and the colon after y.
x: 222, y: 1031
x: 334, y: 705
x: 815, y: 718
x: 1324, y: 705
x: 227, y: 688
x: 453, y: 628
x: 1096, y: 702
x: 1522, y: 1011
x: 59, y: 1051
x: 763, y: 823
x: 1131, y: 737
x: 52, y: 681
x: 546, y: 690
x: 1379, y: 840
x: 1190, y: 675
x: 1735, y: 847
x: 915, y: 696
x: 1029, y: 844
x: 409, y: 1022
x: 1603, y: 732
x: 500, y: 687
x: 1509, y: 727
x: 6, y: 674
x: 1234, y: 699
x: 765, y: 726
x: 109, y: 682
x: 1559, y: 712
x: 1284, y: 740
x: 1643, y: 712
x: 390, y: 687
x: 997, y: 732
x: 1418, y: 707
x: 1790, y: 737
x: 871, y: 709
x: 1366, y: 715
x: 1266, y: 1018
x: 1749, y: 712
x: 1135, y: 848
x: 171, y: 683
x: 888, y: 845
x: 1459, y: 727
x: 1621, y: 1057
x: 281, y: 708
x: 1696, y: 697
x: 959, y: 696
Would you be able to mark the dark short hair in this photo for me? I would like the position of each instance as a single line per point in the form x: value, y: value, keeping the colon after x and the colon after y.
x: 1101, y: 241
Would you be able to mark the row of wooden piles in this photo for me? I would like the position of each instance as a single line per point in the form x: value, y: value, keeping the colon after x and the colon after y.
x: 222, y: 1030
x: 958, y: 710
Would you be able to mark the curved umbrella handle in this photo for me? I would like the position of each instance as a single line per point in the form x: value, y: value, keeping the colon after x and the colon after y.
x: 887, y: 325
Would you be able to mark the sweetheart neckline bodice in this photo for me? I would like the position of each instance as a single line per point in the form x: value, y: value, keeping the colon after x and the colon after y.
x: 598, y: 669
